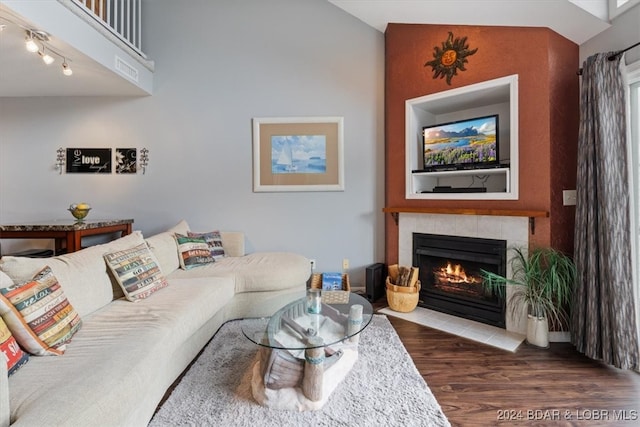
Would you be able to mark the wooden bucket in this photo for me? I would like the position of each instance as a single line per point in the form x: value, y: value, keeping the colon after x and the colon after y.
x: 402, y: 298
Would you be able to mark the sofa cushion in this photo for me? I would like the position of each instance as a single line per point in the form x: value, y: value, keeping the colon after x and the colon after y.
x: 5, y: 280
x: 122, y: 360
x: 214, y: 241
x: 10, y: 350
x: 83, y: 274
x: 193, y: 251
x: 137, y: 271
x: 39, y: 315
x: 163, y: 246
x: 260, y: 271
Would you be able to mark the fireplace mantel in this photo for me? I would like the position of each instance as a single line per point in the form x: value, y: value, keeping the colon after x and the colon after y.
x: 532, y: 214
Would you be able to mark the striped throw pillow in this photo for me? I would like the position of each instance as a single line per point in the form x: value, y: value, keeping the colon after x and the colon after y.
x: 214, y: 240
x: 193, y: 251
x: 39, y: 315
x: 137, y: 271
x: 13, y: 354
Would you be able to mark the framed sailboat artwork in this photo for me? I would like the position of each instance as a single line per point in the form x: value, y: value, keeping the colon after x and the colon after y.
x: 298, y: 154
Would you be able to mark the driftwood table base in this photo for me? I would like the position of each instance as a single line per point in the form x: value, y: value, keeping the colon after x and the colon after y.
x: 306, y: 350
x: 294, y: 398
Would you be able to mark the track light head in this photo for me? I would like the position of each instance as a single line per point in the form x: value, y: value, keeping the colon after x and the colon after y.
x: 31, y: 44
x: 35, y: 40
x: 66, y: 70
x: 33, y: 36
x: 46, y: 58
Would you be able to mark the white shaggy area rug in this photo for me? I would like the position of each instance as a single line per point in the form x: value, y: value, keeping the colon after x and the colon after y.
x: 383, y: 388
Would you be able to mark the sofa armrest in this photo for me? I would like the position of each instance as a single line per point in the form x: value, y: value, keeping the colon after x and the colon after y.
x: 5, y: 411
x: 233, y: 243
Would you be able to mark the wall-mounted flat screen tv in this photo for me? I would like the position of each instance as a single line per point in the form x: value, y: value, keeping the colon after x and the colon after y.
x: 463, y: 144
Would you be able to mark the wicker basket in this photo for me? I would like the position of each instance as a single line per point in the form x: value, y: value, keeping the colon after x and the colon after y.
x: 332, y: 297
x: 402, y: 298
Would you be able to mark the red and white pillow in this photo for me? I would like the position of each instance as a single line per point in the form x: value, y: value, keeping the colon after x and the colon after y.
x: 13, y: 354
x: 39, y: 315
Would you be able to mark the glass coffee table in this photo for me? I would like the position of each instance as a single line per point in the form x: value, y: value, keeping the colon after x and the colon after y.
x: 304, y: 355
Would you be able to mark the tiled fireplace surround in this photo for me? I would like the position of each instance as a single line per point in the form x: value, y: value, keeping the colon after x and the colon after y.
x: 514, y: 230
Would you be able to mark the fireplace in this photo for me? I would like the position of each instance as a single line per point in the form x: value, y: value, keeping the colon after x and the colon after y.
x: 450, y: 269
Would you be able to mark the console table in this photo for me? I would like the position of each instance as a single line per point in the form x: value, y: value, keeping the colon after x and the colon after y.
x: 67, y: 234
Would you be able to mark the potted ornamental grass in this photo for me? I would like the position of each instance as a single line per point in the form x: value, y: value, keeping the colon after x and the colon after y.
x: 543, y: 281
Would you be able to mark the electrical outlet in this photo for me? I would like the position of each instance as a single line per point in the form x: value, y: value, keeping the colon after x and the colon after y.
x: 313, y: 264
x: 569, y: 197
x: 345, y: 264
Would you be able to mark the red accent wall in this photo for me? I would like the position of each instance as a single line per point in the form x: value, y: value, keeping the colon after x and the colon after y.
x: 546, y: 64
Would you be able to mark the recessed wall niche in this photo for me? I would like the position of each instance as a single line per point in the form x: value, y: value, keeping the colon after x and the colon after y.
x: 548, y: 120
x: 497, y: 96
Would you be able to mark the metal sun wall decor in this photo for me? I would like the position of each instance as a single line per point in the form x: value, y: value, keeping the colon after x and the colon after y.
x: 450, y: 58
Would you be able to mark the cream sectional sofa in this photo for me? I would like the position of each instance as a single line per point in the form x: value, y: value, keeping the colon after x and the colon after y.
x: 125, y: 356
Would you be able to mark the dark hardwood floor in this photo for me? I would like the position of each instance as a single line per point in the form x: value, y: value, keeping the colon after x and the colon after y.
x: 479, y: 385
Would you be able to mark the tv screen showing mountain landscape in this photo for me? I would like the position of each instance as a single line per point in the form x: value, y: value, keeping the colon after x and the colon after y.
x: 462, y: 143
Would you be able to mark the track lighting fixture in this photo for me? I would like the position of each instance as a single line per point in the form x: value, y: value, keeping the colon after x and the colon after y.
x: 36, y: 38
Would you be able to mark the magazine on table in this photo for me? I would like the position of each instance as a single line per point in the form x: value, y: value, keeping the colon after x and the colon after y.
x: 331, y: 281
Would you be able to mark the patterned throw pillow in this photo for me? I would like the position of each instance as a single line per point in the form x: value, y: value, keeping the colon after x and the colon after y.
x: 137, y: 271
x: 13, y: 354
x: 39, y: 315
x: 193, y: 251
x: 214, y: 240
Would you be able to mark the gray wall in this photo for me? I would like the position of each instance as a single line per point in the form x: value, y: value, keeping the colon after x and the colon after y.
x: 218, y: 64
x: 624, y: 32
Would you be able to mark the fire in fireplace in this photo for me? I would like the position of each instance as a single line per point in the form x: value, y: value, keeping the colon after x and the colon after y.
x: 450, y: 273
x: 454, y: 279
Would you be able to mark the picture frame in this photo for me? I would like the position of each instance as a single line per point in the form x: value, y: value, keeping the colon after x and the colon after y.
x: 88, y: 160
x: 126, y: 160
x: 298, y: 154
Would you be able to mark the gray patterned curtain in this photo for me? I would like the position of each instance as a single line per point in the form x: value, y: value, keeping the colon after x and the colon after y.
x: 603, y: 320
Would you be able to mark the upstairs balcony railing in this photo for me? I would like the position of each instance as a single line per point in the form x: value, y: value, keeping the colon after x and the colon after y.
x: 121, y: 17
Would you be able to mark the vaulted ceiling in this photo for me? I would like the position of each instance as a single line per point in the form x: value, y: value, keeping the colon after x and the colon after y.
x: 23, y: 75
x: 577, y: 20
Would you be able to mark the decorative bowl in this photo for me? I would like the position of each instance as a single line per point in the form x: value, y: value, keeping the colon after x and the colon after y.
x: 79, y: 213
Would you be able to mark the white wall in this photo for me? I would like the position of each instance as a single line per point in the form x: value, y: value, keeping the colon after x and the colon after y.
x: 624, y: 32
x: 218, y: 64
